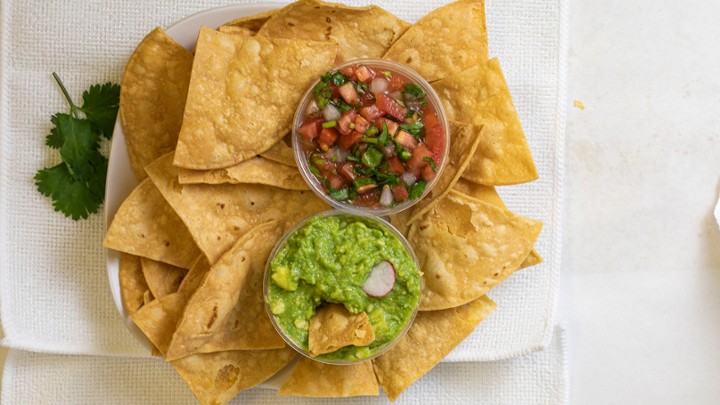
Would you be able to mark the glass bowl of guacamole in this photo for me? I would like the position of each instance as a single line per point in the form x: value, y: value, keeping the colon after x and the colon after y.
x: 371, y: 135
x: 342, y: 288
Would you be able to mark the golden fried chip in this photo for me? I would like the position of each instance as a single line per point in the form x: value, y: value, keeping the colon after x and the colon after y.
x: 145, y: 225
x: 489, y: 195
x: 158, y: 319
x: 217, y: 215
x: 257, y: 170
x: 162, y: 278
x: 281, y: 152
x: 449, y: 39
x: 360, y: 32
x: 243, y: 94
x: 231, y: 29
x: 480, y: 96
x: 465, y: 247
x: 132, y: 282
x: 431, y: 337
x: 252, y: 22
x: 319, y: 380
x: 334, y: 327
x: 227, y: 311
x: 215, y: 378
x: 152, y: 98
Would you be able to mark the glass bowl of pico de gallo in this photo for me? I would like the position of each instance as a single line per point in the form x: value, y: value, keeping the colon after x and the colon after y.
x: 371, y: 136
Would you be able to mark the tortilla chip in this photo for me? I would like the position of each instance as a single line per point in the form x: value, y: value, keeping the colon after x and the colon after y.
x: 431, y: 337
x: 145, y: 225
x: 465, y: 142
x: 281, y: 152
x: 148, y: 297
x: 152, y: 98
x: 227, y: 311
x: 319, y: 380
x: 158, y: 319
x: 465, y: 247
x: 215, y: 378
x: 254, y: 171
x: 449, y: 39
x: 217, y: 215
x: 162, y: 278
x: 132, y: 282
x: 243, y: 94
x: 333, y: 327
x: 360, y: 32
x: 480, y: 96
x: 242, y: 31
x: 489, y: 195
x: 252, y: 22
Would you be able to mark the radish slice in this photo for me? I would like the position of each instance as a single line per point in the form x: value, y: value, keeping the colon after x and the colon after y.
x: 381, y: 280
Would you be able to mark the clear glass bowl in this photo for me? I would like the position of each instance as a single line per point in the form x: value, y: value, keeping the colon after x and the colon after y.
x: 301, y: 156
x: 282, y: 242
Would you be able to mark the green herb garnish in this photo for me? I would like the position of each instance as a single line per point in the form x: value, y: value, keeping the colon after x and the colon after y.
x: 321, y: 94
x: 372, y: 157
x: 417, y: 189
x: 341, y: 194
x: 431, y: 162
x: 415, y: 128
x: 336, y: 78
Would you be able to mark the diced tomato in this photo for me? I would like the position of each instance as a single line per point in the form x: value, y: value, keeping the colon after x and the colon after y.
x: 417, y: 163
x: 347, y: 118
x: 336, y: 182
x: 347, y: 172
x: 348, y: 93
x: 399, y: 192
x: 395, y: 165
x: 367, y: 98
x: 334, y: 91
x: 368, y: 200
x: 390, y: 106
x: 392, y: 126
x: 345, y: 142
x: 435, y: 141
x: 364, y: 74
x: 427, y: 173
x: 310, y: 129
x: 396, y: 83
x: 361, y: 124
x: 349, y: 71
x: 327, y: 138
x: 371, y: 112
x: 406, y: 140
x: 429, y: 118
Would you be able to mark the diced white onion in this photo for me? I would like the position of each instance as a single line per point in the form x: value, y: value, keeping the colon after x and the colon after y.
x: 397, y: 95
x: 379, y: 85
x: 386, y: 197
x: 336, y: 155
x: 341, y: 155
x: 409, y: 178
x: 330, y: 113
x: 312, y: 108
x: 389, y: 150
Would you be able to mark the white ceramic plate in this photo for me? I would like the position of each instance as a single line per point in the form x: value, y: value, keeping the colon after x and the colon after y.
x: 121, y: 179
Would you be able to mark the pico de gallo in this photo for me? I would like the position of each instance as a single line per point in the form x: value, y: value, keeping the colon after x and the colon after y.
x: 371, y: 136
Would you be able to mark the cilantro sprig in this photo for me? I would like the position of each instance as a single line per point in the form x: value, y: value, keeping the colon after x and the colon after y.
x: 77, y: 185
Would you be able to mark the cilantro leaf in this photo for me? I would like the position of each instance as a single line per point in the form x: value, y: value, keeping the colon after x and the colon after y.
x: 341, y: 194
x: 80, y: 148
x: 417, y: 190
x: 414, y: 91
x: 322, y: 93
x: 100, y: 105
x: 336, y: 78
x: 73, y: 198
x: 431, y: 162
x: 413, y: 128
x: 54, y: 139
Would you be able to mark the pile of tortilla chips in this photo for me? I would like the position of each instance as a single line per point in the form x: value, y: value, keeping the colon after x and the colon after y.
x: 207, y: 138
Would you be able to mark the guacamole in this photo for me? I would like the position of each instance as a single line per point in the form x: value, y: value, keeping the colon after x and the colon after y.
x: 329, y: 260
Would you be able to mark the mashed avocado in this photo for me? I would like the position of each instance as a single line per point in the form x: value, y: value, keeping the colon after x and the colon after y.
x: 328, y: 260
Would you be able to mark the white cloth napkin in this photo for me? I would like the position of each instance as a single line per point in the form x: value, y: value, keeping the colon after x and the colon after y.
x: 32, y: 378
x: 54, y: 294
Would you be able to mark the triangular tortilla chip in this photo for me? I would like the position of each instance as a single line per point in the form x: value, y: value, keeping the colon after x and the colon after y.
x: 145, y: 225
x: 449, y: 39
x: 243, y: 94
x: 360, y: 32
x: 158, y: 319
x: 215, y: 378
x: 227, y: 311
x: 319, y: 380
x: 153, y: 90
x: 480, y: 96
x: 257, y: 170
x: 132, y: 282
x: 162, y: 278
x: 217, y: 215
x: 253, y: 22
x: 333, y: 327
x: 281, y: 152
x: 465, y: 247
x: 230, y: 29
x: 431, y: 337
x: 490, y: 196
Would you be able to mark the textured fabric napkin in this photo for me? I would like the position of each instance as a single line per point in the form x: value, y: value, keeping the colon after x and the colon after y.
x: 54, y: 294
x: 32, y: 378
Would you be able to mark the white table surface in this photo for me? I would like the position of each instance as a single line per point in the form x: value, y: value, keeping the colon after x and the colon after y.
x: 641, y: 262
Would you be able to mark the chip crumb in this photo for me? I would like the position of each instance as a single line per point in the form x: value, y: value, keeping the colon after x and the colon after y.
x: 578, y: 104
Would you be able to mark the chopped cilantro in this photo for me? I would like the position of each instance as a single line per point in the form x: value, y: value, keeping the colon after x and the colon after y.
x: 322, y: 93
x: 336, y: 78
x: 372, y: 130
x: 384, y: 135
x: 414, y: 91
x: 417, y: 189
x: 413, y: 128
x: 341, y: 105
x: 431, y: 162
x: 372, y: 157
x: 341, y: 194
